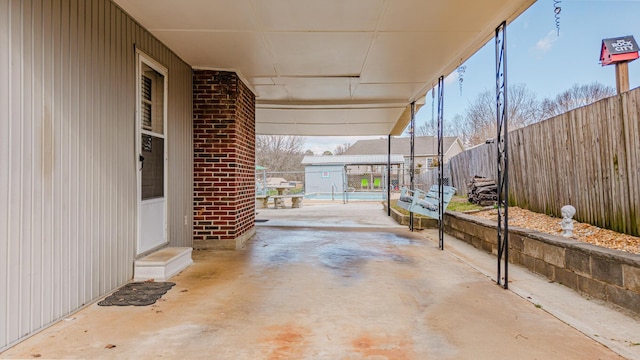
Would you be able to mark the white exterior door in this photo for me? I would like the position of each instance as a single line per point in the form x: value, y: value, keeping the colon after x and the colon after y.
x: 151, y: 154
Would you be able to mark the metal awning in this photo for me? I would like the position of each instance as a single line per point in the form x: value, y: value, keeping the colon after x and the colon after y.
x: 330, y: 67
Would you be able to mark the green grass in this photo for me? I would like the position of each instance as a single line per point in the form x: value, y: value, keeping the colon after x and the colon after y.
x: 461, y: 204
x: 457, y: 203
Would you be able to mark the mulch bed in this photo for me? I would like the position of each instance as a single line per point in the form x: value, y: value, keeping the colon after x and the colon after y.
x: 581, y: 231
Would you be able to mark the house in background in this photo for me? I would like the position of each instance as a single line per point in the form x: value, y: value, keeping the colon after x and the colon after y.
x: 339, y: 173
x: 425, y: 155
x: 425, y: 149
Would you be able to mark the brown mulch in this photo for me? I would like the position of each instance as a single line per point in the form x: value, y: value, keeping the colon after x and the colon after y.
x: 581, y: 232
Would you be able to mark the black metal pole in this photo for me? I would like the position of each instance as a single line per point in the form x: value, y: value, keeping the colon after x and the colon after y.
x: 412, y: 127
x: 440, y: 163
x: 389, y: 176
x: 503, y: 155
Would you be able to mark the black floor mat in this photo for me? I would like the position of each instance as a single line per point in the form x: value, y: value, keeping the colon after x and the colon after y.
x: 261, y: 220
x: 137, y: 294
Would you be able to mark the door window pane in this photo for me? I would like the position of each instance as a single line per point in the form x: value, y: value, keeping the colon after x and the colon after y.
x: 152, y: 100
x: 152, y: 167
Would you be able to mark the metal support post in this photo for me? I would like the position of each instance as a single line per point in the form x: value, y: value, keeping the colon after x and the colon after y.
x: 412, y: 127
x: 503, y: 155
x: 389, y: 176
x: 440, y: 163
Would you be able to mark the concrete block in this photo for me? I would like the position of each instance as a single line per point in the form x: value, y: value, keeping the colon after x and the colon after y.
x: 543, y: 268
x: 488, y: 247
x: 607, y: 270
x: 631, y: 276
x: 468, y: 227
x: 527, y: 261
x: 626, y: 298
x: 516, y: 242
x: 455, y: 233
x: 427, y: 223
x: 476, y: 242
x: 593, y: 288
x: 514, y: 257
x: 566, y: 278
x: 490, y: 235
x: 549, y: 253
x: 578, y: 261
x: 457, y: 224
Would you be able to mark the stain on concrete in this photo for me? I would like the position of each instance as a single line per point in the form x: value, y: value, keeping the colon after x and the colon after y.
x: 382, y: 347
x: 305, y: 293
x: 286, y: 342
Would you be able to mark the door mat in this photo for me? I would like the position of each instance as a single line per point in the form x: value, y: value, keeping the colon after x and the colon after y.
x: 137, y: 294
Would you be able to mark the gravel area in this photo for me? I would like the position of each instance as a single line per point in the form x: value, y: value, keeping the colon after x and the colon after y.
x: 581, y: 232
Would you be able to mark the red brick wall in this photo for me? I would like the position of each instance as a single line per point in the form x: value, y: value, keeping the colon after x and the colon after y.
x: 224, y: 160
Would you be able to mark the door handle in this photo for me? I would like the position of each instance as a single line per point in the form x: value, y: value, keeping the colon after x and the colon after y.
x: 141, y: 159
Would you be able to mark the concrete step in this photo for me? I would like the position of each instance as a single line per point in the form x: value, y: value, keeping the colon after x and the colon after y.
x: 162, y: 264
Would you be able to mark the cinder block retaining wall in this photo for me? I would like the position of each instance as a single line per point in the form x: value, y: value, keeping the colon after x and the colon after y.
x: 418, y: 222
x: 601, y: 273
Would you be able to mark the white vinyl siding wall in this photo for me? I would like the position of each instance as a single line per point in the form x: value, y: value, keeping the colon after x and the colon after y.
x: 68, y: 157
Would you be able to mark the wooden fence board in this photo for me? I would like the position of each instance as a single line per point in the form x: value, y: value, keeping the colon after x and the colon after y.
x: 588, y: 157
x: 633, y: 131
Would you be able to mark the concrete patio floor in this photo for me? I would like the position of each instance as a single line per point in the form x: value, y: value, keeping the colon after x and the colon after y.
x: 334, y: 281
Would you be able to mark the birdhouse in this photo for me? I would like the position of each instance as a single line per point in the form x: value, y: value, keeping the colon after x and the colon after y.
x: 620, y: 49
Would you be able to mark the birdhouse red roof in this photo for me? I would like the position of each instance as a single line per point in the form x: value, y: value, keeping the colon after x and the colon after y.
x: 618, y: 49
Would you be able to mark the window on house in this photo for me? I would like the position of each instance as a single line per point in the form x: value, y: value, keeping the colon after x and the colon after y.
x: 430, y: 162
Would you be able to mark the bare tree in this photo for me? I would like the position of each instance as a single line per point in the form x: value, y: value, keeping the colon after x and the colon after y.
x: 577, y: 96
x: 341, y: 149
x: 451, y: 127
x: 280, y: 153
x: 480, y: 117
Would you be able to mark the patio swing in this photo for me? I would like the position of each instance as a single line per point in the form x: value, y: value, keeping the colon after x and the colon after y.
x: 418, y: 201
x: 425, y: 203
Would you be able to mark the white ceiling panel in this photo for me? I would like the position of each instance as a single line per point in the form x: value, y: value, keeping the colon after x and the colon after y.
x: 244, y: 51
x: 318, y: 89
x: 191, y: 14
x: 438, y: 15
x: 271, y: 92
x: 373, y: 116
x: 319, y: 53
x: 324, y: 129
x: 330, y: 67
x: 386, y: 91
x: 400, y: 57
x: 317, y: 16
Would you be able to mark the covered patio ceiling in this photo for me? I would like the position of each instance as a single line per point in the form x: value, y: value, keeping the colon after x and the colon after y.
x: 328, y: 67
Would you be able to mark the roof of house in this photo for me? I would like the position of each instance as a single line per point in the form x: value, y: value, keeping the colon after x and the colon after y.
x: 352, y: 159
x: 423, y: 145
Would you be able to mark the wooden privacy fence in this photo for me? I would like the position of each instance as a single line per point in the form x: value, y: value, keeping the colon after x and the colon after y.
x: 588, y: 157
x: 430, y: 177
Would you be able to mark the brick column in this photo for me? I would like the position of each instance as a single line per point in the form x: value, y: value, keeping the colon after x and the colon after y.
x: 223, y: 160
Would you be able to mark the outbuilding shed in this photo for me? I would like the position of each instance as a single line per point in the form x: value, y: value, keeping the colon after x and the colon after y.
x: 340, y: 173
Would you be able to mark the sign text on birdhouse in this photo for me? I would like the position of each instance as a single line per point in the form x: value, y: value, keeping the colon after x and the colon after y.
x: 618, y: 49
